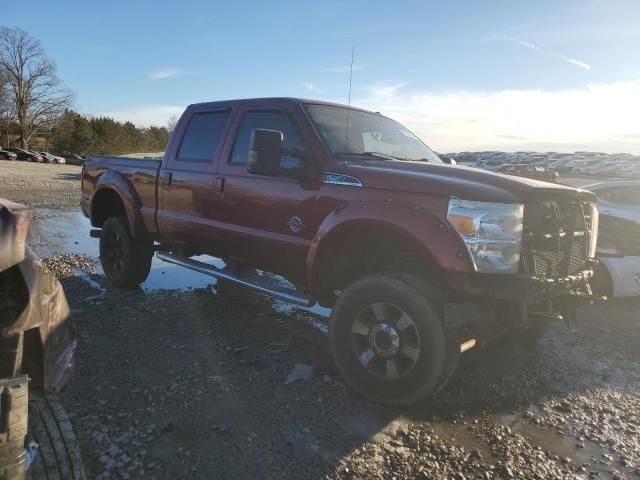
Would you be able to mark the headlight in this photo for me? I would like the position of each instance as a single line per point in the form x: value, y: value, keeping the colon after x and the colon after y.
x: 492, y: 233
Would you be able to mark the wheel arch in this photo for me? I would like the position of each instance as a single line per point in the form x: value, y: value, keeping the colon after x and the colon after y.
x: 114, y: 196
x: 355, y: 248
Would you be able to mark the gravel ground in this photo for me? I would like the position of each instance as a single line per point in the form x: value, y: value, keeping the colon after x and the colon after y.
x: 43, y: 185
x: 190, y: 383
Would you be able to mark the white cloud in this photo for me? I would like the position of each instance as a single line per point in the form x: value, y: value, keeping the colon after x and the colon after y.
x: 145, y: 115
x: 165, y: 73
x: 383, y: 90
x: 564, y: 58
x: 596, y: 117
x: 313, y: 88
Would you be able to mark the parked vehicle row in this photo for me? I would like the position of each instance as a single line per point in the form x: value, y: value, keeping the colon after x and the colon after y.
x: 595, y: 164
x: 530, y: 171
x: 39, y: 157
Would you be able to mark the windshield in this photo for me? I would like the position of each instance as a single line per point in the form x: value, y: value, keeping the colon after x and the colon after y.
x: 370, y: 135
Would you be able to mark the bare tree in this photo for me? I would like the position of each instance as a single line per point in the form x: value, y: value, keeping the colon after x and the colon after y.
x: 36, y: 93
x: 171, y: 124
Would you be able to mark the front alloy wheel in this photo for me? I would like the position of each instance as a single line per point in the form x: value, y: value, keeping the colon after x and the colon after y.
x: 387, y: 338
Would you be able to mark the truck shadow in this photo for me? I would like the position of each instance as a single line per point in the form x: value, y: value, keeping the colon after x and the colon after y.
x: 213, y: 364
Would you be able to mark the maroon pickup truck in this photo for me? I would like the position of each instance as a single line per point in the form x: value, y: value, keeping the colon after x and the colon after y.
x: 419, y: 260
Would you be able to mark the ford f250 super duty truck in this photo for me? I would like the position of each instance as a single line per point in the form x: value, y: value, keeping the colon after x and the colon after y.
x: 419, y: 260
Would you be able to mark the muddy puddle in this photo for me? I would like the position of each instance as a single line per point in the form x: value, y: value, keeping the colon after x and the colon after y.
x: 58, y: 232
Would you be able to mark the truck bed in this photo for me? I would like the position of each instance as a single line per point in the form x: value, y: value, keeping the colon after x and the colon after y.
x: 125, y: 174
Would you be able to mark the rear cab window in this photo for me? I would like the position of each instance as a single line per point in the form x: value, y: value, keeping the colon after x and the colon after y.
x: 202, y: 136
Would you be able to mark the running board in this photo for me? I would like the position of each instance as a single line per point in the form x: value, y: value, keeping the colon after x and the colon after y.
x: 287, y: 295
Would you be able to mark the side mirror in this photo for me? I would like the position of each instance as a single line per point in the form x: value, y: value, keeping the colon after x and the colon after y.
x: 268, y: 157
x: 265, y: 152
x: 448, y: 160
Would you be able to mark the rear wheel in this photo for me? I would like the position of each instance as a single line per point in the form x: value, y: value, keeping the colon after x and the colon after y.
x: 56, y: 455
x: 126, y: 260
x: 387, y: 339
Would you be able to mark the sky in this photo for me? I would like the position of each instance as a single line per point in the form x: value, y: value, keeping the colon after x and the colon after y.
x: 502, y: 75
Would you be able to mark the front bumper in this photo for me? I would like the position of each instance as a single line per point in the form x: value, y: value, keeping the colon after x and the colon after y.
x: 523, y: 288
x: 487, y: 307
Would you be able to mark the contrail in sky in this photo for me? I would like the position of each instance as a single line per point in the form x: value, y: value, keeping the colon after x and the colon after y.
x: 531, y: 46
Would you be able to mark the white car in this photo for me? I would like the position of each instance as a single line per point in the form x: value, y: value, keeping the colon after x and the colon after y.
x: 51, y: 158
x: 618, y: 274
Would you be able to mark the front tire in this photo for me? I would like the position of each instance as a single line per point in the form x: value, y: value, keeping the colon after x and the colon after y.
x: 57, y: 455
x: 387, y: 339
x: 126, y: 260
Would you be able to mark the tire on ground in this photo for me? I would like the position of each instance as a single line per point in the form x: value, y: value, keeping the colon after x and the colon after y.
x: 58, y: 454
x: 134, y: 254
x: 413, y: 296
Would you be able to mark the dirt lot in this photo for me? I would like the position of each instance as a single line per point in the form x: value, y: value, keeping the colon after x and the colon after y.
x: 186, y: 379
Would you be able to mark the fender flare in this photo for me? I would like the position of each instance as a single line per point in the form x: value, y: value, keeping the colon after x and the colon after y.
x: 118, y: 183
x: 346, y: 217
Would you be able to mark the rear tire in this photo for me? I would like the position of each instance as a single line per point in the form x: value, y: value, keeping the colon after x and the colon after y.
x: 126, y: 260
x: 58, y: 454
x: 387, y: 339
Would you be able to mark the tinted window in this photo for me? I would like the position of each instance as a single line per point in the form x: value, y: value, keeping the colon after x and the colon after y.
x: 271, y: 120
x: 202, y: 137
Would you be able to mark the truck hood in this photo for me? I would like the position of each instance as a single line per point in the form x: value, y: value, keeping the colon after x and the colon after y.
x: 455, y: 181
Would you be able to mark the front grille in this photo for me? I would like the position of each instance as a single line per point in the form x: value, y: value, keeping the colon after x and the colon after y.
x: 556, y: 238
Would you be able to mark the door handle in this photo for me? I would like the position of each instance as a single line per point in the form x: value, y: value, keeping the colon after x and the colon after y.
x: 168, y: 178
x: 219, y: 186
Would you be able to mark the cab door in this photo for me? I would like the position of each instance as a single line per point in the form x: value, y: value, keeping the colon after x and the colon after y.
x: 187, y: 178
x: 267, y: 221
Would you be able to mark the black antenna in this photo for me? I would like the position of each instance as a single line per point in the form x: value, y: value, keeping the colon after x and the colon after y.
x: 346, y: 134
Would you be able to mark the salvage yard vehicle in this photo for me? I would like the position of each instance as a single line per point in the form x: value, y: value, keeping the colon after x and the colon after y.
x: 531, y: 171
x: 26, y: 155
x: 419, y: 260
x: 37, y: 348
x: 618, y: 272
x: 51, y: 158
x: 6, y: 155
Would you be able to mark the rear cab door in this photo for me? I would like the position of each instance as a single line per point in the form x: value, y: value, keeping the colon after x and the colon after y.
x: 186, y: 180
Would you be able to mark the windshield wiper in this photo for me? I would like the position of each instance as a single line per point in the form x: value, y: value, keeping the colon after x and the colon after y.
x: 373, y: 155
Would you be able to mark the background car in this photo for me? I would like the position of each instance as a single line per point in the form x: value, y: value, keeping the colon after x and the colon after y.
x: 38, y: 346
x: 618, y: 273
x: 51, y: 158
x: 74, y: 159
x: 6, y: 155
x: 26, y: 155
x: 530, y: 171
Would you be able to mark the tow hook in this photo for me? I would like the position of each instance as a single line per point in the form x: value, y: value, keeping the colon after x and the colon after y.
x: 589, y: 297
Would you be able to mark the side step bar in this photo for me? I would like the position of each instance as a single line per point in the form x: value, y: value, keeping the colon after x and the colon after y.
x: 284, y: 294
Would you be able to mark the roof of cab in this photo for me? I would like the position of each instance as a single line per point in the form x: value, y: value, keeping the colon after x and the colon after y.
x: 284, y: 99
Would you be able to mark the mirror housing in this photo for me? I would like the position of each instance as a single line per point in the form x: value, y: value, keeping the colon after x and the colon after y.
x: 265, y: 152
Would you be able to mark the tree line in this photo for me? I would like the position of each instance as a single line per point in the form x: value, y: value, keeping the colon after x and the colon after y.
x: 35, y: 108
